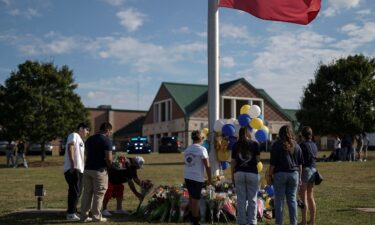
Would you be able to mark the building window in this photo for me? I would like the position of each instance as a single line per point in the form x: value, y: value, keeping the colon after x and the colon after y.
x: 163, y: 111
x: 231, y: 106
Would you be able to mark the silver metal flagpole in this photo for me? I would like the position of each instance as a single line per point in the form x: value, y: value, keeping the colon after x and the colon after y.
x: 213, y: 78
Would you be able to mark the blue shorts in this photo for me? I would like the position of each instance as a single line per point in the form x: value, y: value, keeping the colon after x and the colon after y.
x: 308, y: 175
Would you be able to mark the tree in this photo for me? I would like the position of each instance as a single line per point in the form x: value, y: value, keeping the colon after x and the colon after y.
x: 341, y: 99
x: 38, y: 103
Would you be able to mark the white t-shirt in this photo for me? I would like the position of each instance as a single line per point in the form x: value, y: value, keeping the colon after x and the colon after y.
x: 78, y: 154
x: 194, y: 168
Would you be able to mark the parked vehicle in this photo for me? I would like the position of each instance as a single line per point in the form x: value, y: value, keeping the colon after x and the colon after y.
x: 35, y: 149
x: 169, y: 145
x: 3, y: 146
x: 138, y: 145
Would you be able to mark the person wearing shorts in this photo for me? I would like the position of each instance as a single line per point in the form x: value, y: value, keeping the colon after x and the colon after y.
x: 310, y: 152
x: 196, y: 161
x: 116, y: 188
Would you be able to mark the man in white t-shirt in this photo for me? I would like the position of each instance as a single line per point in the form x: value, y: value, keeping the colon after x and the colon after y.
x: 196, y: 160
x: 74, y: 164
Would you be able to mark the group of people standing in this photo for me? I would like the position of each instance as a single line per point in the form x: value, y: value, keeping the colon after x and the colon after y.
x: 15, y: 149
x: 350, y: 148
x: 292, y: 169
x: 87, y: 170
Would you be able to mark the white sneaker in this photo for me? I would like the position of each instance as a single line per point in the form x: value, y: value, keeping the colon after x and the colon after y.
x: 102, y: 219
x: 121, y: 211
x: 88, y: 219
x: 106, y: 213
x: 364, y: 160
x: 72, y: 217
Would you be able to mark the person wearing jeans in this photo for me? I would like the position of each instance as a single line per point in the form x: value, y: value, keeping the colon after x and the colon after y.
x: 74, y: 167
x: 245, y: 177
x: 285, y: 173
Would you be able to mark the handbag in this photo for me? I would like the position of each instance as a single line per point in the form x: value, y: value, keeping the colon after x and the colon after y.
x: 318, y: 178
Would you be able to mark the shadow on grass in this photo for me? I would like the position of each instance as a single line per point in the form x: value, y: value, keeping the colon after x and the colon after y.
x: 53, y: 217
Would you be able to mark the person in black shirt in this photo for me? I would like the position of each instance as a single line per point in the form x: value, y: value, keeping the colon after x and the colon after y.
x: 95, y: 176
x: 21, y: 154
x: 115, y: 185
x: 310, y: 152
x: 285, y: 169
x: 245, y: 157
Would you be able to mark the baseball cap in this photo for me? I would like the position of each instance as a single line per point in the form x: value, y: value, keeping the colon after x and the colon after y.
x: 140, y: 161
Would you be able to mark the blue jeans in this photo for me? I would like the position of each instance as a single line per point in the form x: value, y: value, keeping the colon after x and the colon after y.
x: 247, y: 190
x: 286, y: 184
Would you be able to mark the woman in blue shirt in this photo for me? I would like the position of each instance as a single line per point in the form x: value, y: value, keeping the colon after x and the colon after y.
x: 309, y: 151
x: 285, y: 168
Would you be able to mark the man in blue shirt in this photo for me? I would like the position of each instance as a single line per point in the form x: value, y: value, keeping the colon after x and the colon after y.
x: 95, y: 176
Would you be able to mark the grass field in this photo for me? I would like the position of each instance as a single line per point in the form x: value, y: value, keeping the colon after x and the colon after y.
x: 347, y: 186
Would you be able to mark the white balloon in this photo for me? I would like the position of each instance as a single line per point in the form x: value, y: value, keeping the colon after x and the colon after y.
x: 254, y: 111
x: 232, y: 121
x: 218, y: 125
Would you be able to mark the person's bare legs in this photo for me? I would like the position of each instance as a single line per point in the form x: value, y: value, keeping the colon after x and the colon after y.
x: 303, y: 196
x: 311, y: 203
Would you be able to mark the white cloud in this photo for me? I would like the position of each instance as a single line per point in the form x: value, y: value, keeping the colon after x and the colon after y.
x: 364, y: 12
x: 131, y: 19
x: 227, y: 62
x: 358, y: 35
x: 336, y: 6
x: 29, y: 13
x: 114, y: 2
x: 118, y: 91
x: 288, y: 62
x: 232, y: 31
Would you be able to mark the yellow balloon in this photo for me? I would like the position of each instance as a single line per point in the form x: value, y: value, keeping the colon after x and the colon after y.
x: 256, y: 123
x: 205, y: 131
x: 245, y: 109
x: 264, y: 128
x: 267, y: 203
x: 260, y: 167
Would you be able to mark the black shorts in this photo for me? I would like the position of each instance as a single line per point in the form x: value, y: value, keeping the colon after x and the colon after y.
x: 194, y: 188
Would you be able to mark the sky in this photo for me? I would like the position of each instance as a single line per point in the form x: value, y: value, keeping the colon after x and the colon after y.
x: 121, y: 51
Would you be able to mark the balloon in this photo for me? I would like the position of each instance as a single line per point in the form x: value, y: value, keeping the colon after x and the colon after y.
x: 228, y: 130
x: 267, y: 203
x: 261, y: 135
x: 245, y: 109
x: 224, y: 165
x: 205, y: 131
x: 231, y: 121
x: 265, y: 128
x: 260, y: 167
x: 252, y: 133
x: 218, y: 125
x: 254, y: 111
x: 232, y: 141
x: 244, y: 120
x: 256, y: 123
x: 269, y: 190
x: 261, y: 116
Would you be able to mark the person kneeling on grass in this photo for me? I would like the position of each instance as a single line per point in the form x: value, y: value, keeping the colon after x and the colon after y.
x: 115, y: 185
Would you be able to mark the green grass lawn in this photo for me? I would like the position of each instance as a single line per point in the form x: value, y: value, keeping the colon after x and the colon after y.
x: 346, y: 186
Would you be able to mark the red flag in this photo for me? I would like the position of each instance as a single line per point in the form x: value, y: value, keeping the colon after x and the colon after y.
x: 292, y: 11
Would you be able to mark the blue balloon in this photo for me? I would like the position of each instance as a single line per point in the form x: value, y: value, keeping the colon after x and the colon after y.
x: 228, y: 130
x: 269, y: 190
x: 244, y: 120
x: 261, y: 116
x: 224, y: 165
x: 261, y: 135
x: 232, y: 141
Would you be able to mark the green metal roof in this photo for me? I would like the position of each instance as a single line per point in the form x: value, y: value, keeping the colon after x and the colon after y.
x: 191, y: 96
x: 291, y: 113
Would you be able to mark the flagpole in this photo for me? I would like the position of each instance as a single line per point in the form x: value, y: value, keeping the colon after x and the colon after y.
x: 213, y: 78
